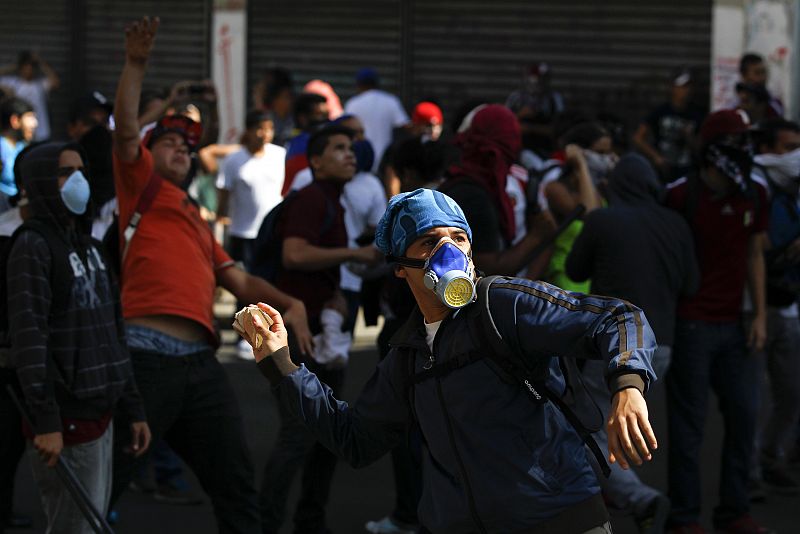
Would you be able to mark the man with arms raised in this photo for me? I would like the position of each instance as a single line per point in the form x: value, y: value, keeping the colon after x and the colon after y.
x: 170, y: 268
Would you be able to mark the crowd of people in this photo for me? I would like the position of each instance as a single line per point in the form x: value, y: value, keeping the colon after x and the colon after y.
x: 673, y: 253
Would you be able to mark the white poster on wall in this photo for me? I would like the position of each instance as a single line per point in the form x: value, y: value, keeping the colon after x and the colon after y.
x: 228, y: 71
x: 764, y: 27
x: 727, y: 43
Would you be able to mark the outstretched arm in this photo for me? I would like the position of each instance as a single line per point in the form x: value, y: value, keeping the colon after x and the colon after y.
x: 359, y: 434
x: 139, y: 39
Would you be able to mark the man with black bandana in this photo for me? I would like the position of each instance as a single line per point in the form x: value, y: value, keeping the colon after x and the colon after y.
x: 727, y: 211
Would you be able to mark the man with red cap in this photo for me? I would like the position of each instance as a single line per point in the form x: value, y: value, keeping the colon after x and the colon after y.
x: 726, y: 208
x: 170, y: 267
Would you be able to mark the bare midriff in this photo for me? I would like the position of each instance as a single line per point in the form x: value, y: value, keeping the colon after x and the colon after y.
x: 173, y: 325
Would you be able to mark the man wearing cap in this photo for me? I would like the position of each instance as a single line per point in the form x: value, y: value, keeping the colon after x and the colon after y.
x: 493, y: 460
x: 426, y: 125
x: 726, y: 209
x: 381, y: 112
x: 171, y: 265
x: 666, y: 135
x: 90, y: 110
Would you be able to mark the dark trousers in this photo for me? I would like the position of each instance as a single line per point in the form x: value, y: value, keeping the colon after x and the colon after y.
x: 295, y: 448
x: 405, y: 464
x: 715, y: 355
x: 12, y: 444
x: 243, y: 250
x: 191, y: 405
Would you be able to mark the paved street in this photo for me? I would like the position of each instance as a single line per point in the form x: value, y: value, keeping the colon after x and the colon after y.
x: 361, y: 495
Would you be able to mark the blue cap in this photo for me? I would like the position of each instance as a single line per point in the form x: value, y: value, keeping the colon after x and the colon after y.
x: 410, y: 215
x: 367, y: 75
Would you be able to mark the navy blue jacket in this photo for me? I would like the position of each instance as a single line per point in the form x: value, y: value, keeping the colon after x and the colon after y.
x: 493, y: 461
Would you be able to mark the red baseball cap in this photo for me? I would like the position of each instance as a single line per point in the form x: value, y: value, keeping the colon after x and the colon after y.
x: 724, y: 122
x: 427, y: 113
x: 184, y: 126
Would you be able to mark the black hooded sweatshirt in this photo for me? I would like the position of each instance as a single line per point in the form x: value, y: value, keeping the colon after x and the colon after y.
x: 71, y: 365
x: 636, y: 249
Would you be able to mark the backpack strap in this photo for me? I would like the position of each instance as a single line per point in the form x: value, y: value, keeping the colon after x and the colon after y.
x: 533, y: 381
x: 145, y: 202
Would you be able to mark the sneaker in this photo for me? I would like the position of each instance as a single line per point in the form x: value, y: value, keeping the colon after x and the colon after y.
x: 779, y: 481
x: 244, y: 351
x: 387, y: 525
x: 755, y: 491
x: 169, y: 494
x: 745, y: 524
x: 689, y: 528
x: 654, y: 517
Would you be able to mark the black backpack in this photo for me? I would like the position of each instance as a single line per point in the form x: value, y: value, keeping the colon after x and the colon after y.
x: 268, y: 256
x: 61, y: 274
x: 516, y: 369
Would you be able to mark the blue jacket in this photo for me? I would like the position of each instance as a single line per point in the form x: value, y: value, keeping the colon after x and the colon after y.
x: 493, y: 461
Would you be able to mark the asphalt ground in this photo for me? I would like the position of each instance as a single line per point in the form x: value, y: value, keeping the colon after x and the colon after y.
x: 367, y: 494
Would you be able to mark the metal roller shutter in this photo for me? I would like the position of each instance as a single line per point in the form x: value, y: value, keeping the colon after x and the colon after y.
x: 611, y: 56
x: 326, y: 39
x: 182, y: 46
x: 44, y: 30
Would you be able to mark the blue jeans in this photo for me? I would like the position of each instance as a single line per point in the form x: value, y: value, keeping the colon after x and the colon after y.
x: 710, y: 355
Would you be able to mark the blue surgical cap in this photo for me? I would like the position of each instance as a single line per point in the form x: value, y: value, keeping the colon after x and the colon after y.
x: 410, y: 215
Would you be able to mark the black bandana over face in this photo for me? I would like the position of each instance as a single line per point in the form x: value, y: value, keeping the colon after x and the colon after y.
x: 735, y: 162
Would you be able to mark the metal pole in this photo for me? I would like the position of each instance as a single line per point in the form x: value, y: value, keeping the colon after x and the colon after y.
x: 68, y: 478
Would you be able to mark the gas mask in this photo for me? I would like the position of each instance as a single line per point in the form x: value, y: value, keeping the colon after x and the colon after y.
x: 448, y: 272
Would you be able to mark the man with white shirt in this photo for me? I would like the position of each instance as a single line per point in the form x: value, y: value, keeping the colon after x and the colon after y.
x: 249, y: 184
x: 381, y: 112
x: 248, y: 187
x: 25, y: 83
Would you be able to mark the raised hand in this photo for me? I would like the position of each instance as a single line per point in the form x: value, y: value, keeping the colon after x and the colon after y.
x: 275, y: 336
x: 139, y: 39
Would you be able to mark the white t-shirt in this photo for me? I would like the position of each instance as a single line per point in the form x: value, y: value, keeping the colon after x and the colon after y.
x: 430, y: 333
x: 364, y: 202
x: 381, y: 113
x: 254, y: 184
x: 35, y: 92
x: 301, y: 179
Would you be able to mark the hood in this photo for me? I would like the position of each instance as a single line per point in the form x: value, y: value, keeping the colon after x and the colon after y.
x: 37, y: 167
x: 633, y: 181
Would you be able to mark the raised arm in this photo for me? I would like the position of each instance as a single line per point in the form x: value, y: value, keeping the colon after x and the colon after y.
x: 53, y: 81
x: 139, y: 39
